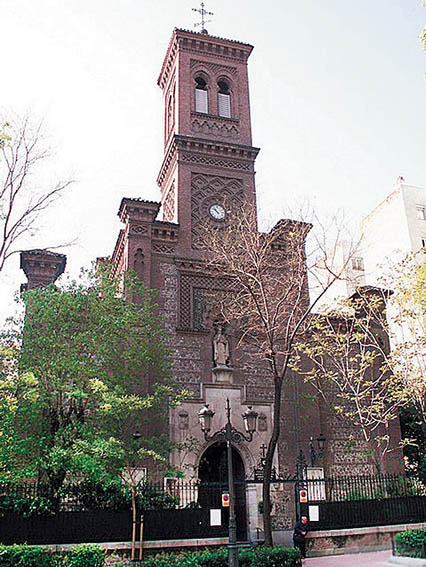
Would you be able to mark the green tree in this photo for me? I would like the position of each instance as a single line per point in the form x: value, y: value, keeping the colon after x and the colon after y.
x: 366, y: 381
x: 350, y: 367
x: 83, y: 371
x: 407, y: 325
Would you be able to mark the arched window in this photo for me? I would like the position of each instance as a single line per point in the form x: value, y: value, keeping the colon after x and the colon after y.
x: 224, y: 99
x: 201, y: 95
x: 170, y: 114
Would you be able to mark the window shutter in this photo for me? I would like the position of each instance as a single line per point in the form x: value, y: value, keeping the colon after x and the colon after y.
x: 224, y: 105
x: 201, y: 101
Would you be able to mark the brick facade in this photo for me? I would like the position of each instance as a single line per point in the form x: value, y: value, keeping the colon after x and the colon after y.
x: 209, y: 161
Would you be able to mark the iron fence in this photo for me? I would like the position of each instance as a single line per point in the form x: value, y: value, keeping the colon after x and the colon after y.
x: 177, y: 508
x: 358, y: 501
x: 170, y: 493
x: 171, y: 509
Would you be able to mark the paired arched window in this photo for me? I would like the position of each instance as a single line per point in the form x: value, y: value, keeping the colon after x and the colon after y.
x: 223, y: 96
x: 224, y: 99
x: 201, y: 95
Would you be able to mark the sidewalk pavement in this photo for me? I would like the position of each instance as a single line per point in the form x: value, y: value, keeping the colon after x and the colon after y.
x: 370, y: 559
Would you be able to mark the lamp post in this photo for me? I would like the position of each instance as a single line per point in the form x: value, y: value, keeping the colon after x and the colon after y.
x: 229, y: 434
x: 133, y: 484
x: 313, y: 453
x: 321, y: 444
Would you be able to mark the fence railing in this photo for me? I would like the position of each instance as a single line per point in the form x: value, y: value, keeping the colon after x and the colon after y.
x: 172, y: 509
x: 341, y: 502
x: 349, y: 488
x: 358, y: 501
x: 169, y: 494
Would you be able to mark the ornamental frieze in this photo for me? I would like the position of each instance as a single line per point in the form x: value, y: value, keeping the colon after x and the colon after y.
x: 215, y: 68
x: 214, y: 127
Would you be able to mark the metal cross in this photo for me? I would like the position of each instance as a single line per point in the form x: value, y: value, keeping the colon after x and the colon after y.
x: 203, y: 13
x: 263, y: 449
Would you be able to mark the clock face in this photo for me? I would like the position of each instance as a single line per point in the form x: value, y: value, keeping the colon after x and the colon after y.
x: 217, y: 212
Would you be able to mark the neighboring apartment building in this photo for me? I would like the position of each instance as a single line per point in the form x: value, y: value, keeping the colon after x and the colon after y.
x: 393, y: 229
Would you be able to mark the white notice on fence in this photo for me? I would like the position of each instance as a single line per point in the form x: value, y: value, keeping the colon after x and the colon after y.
x: 215, y: 517
x: 314, y: 513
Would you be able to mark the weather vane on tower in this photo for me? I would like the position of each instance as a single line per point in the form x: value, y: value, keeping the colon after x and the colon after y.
x: 203, y: 13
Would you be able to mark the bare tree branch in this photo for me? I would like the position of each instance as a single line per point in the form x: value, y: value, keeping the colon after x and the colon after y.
x: 269, y: 304
x: 23, y: 196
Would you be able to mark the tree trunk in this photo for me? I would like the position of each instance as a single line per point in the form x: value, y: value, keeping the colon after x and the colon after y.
x: 267, y: 505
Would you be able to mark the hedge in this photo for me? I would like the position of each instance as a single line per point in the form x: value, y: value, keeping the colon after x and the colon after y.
x: 260, y: 557
x: 411, y: 543
x: 37, y: 556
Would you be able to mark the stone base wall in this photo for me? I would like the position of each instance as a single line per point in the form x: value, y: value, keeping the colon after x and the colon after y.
x: 354, y: 540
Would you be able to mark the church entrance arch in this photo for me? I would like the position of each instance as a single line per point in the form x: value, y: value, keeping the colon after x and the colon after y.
x: 213, y: 476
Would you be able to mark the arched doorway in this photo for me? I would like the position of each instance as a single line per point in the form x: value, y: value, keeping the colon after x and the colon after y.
x: 213, y: 474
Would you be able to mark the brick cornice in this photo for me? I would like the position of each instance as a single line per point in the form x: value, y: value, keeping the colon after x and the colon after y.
x: 42, y: 267
x: 202, y: 44
x: 235, y: 153
x: 138, y: 209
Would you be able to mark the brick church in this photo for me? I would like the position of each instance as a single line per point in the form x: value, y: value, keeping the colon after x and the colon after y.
x: 209, y: 160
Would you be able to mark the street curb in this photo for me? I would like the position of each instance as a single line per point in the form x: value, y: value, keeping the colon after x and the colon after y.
x: 407, y: 561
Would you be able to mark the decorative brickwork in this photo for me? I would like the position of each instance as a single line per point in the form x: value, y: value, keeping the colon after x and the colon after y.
x: 282, y: 497
x: 160, y: 248
x: 169, y: 204
x: 138, y: 229
x: 217, y: 162
x: 193, y: 289
x: 208, y: 190
x: 215, y: 68
x: 215, y: 127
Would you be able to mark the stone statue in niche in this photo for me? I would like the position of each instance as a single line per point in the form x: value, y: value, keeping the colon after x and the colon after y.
x: 262, y: 423
x: 221, y: 348
x: 183, y: 420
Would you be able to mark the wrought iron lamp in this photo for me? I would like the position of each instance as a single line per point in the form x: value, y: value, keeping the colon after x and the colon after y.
x: 229, y: 435
x: 321, y: 445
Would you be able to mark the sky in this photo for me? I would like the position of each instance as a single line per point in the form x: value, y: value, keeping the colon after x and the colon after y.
x: 337, y: 94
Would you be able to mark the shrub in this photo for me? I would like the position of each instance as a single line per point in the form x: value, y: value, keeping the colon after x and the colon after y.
x: 92, y: 495
x: 411, y: 543
x: 37, y: 556
x: 261, y: 557
x: 39, y: 505
x: 85, y: 556
x: 25, y: 556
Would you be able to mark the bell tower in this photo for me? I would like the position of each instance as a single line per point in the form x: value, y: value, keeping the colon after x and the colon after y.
x: 208, y: 165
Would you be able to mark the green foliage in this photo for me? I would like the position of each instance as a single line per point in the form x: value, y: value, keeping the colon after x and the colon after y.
x: 25, y: 556
x: 85, y: 556
x: 260, y: 557
x: 415, y: 449
x: 36, y: 556
x: 93, y: 495
x: 37, y: 505
x: 87, y: 366
x: 349, y: 366
x: 114, y: 495
x: 411, y: 543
